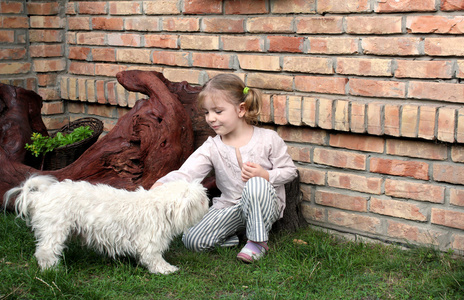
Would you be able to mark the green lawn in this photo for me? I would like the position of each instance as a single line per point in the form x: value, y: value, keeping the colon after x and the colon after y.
x: 325, y: 268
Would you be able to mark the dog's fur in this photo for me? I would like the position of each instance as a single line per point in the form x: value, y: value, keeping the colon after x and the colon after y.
x: 141, y: 223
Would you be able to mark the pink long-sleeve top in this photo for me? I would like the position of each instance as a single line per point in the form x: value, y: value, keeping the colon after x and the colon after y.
x: 265, y: 148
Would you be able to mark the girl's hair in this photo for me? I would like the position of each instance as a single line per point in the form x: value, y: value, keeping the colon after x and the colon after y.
x: 236, y: 93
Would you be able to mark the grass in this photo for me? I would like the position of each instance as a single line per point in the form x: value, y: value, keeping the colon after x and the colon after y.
x: 325, y: 268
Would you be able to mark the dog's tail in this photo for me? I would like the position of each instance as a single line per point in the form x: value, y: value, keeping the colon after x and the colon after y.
x: 35, y: 183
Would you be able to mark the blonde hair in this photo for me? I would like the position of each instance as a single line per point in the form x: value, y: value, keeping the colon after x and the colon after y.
x: 234, y: 87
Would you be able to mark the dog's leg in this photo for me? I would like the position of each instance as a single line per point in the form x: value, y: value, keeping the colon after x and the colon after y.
x: 155, y: 263
x: 50, y: 245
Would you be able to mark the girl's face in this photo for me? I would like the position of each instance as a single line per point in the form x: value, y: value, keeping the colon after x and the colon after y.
x: 221, y: 115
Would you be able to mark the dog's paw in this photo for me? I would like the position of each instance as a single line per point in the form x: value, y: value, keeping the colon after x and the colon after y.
x: 163, y: 269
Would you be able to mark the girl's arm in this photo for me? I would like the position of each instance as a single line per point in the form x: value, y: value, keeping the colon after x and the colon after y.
x: 283, y: 168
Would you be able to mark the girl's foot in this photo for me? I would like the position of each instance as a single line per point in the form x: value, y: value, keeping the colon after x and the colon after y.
x: 252, y: 251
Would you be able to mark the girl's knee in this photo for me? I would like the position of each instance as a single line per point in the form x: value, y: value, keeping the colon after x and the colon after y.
x: 194, y: 242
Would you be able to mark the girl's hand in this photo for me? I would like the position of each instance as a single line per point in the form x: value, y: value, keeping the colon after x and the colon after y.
x: 250, y: 170
x: 156, y: 184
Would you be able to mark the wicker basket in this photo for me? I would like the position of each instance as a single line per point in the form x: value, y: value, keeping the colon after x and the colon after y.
x: 65, y: 155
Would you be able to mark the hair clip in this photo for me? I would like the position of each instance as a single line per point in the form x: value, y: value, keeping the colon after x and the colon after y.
x: 245, y: 90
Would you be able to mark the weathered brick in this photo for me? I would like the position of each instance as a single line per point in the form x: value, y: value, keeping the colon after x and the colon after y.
x: 46, y: 50
x: 375, y: 118
x: 362, y: 223
x: 398, y: 209
x: 46, y: 22
x: 78, y: 23
x: 341, y: 116
x: 265, y: 116
x: 364, y: 67
x: 124, y: 39
x: 296, y: 6
x: 7, y: 36
x: 349, y: 181
x: 104, y: 54
x: 245, y: 7
x: 460, y: 69
x: 457, y: 197
x: 451, y: 5
x: 199, y: 42
x: 109, y: 70
x: 445, y: 124
x: 270, y: 25
x: 460, y: 126
x: 49, y: 65
x: 212, y: 60
x: 319, y: 25
x: 171, y: 58
x: 90, y: 38
x: 377, y: 88
x: 443, y: 91
x: 294, y: 110
x: 458, y: 242
x: 341, y: 6
x: 414, y: 233
x: 104, y: 23
x: 358, y: 117
x: 409, y: 118
x: 12, y: 53
x: 81, y: 68
x: 312, y: 213
x: 243, y: 43
x: 450, y: 46
x: 192, y: 76
x: 417, y: 149
x: 424, y: 69
x: 325, y: 113
x: 47, y: 36
x: 11, y: 7
x: 279, y: 107
x: 435, y: 24
x: 43, y: 9
x: 396, y: 167
x: 373, y: 25
x: 92, y: 8
x: 339, y: 200
x: 142, y: 24
x: 357, y: 142
x: 391, y: 46
x: 259, y: 62
x: 49, y: 93
x: 270, y: 81
x: 312, y: 176
x: 388, y: 6
x: 324, y: 85
x: 414, y: 190
x: 447, y: 172
x: 142, y: 56
x: 315, y: 65
x: 127, y: 8
x: 203, y: 7
x: 14, y: 22
x: 335, y: 45
x: 222, y: 24
x: 309, y: 111
x: 302, y: 135
x: 448, y: 218
x: 302, y: 154
x: 285, y: 44
x: 46, y: 79
x: 340, y: 159
x: 161, y: 41
x: 181, y: 24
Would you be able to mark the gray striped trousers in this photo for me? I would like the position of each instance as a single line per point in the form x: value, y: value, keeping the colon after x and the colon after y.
x: 256, y: 212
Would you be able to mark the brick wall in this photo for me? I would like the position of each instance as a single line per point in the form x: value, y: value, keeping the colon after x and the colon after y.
x: 367, y: 93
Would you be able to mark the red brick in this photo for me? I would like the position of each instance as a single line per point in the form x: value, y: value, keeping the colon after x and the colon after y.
x: 104, y: 23
x: 81, y: 68
x: 341, y: 6
x: 104, y: 54
x: 302, y: 154
x: 357, y: 142
x: 79, y: 53
x: 181, y: 24
x: 142, y: 24
x: 451, y: 46
x: 371, y: 185
x: 415, y: 191
x: 46, y: 22
x: 161, y: 41
x: 78, y: 23
x: 409, y: 117
x: 324, y: 85
x: 279, y: 104
x: 11, y: 7
x: 457, y: 197
x: 90, y: 38
x: 341, y: 116
x: 377, y: 88
x: 396, y: 167
x: 202, y: 7
x: 221, y: 24
x: 446, y: 123
x: 243, y: 43
x: 340, y: 159
x: 171, y: 58
x: 358, y: 117
x: 343, y: 201
x: 270, y: 25
x: 165, y: 7
x: 448, y: 172
x: 361, y: 223
x: 325, y: 113
x: 295, y: 6
x: 245, y: 7
x: 458, y: 242
x: 319, y: 25
x: 374, y: 118
x: 109, y: 70
x: 70, y: 8
x: 302, y: 135
x: 334, y: 45
x: 392, y: 46
x: 285, y: 44
x: 398, y: 209
x: 414, y: 233
x: 309, y: 111
x: 14, y: 22
x: 46, y: 50
x: 47, y: 36
x: 212, y: 60
x: 141, y: 56
x: 294, y: 108
x: 435, y: 24
x: 373, y: 25
x: 265, y: 115
x: 270, y: 81
x: 388, y: 6
x: 451, y: 5
x: 43, y: 9
x: 364, y: 67
x: 92, y: 8
x: 7, y: 36
x: 259, y: 62
x: 417, y: 149
x: 124, y: 39
x: 460, y: 126
x: 447, y: 218
x: 312, y: 213
x: 317, y: 65
x: 312, y: 176
x: 47, y: 79
x: 50, y: 65
x: 199, y: 42
x: 126, y: 8
x: 443, y: 91
x: 424, y: 69
x: 12, y: 53
x: 460, y: 70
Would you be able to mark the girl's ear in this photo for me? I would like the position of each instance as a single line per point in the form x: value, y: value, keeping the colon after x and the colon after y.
x: 241, y: 109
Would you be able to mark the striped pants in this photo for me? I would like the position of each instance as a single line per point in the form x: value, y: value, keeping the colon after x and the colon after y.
x: 255, y: 213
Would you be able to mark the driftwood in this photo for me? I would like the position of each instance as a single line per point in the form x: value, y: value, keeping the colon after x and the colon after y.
x: 153, y: 138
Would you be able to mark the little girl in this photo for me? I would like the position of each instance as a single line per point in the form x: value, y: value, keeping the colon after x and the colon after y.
x: 251, y: 166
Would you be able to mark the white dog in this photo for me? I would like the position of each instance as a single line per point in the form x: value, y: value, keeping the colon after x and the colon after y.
x: 116, y: 221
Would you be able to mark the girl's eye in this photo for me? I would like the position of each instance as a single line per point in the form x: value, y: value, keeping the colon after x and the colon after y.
x: 218, y: 111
